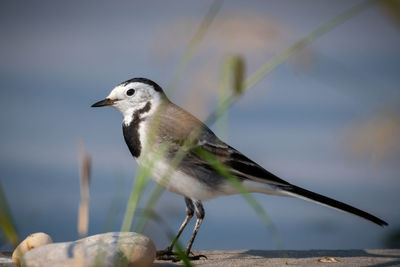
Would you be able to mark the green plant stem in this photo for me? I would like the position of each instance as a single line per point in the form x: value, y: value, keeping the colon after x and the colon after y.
x: 194, y: 43
x: 7, y: 224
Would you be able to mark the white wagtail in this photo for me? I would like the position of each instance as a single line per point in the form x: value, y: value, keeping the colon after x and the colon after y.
x: 143, y: 103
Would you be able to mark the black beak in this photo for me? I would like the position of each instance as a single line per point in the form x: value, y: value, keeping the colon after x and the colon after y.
x: 102, y: 103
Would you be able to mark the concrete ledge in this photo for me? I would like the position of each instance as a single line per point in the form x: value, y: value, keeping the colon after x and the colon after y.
x: 368, y: 257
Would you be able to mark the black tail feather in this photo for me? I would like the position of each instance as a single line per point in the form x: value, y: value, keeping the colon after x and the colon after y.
x: 332, y: 203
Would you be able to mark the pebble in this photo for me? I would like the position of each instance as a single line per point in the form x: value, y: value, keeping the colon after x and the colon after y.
x: 32, y: 241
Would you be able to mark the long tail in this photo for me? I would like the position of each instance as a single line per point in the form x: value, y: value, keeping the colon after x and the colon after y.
x: 308, y: 195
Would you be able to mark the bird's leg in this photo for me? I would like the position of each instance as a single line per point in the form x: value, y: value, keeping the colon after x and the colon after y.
x: 189, y: 215
x: 200, y: 216
x: 168, y: 254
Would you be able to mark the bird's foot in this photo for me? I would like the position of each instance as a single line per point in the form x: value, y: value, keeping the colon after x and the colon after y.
x: 169, y: 255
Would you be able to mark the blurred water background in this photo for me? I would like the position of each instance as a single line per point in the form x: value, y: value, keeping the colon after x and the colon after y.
x: 328, y: 119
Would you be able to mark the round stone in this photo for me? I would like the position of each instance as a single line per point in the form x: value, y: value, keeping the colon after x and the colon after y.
x: 108, y: 250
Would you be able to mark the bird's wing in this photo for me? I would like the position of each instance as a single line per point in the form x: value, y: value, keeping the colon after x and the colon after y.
x: 237, y: 163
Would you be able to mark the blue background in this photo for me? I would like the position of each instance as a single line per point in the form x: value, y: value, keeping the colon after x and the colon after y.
x: 327, y: 119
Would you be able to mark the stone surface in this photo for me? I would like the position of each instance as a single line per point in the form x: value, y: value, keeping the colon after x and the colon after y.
x: 110, y: 249
x: 32, y: 241
x: 320, y: 258
x: 381, y: 257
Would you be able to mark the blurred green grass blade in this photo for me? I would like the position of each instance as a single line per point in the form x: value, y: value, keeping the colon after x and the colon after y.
x: 155, y: 195
x: 194, y: 43
x: 141, y: 181
x: 115, y: 206
x: 223, y: 170
x: 6, y: 222
x: 182, y: 255
x: 307, y: 40
x: 138, y: 188
x: 134, y: 197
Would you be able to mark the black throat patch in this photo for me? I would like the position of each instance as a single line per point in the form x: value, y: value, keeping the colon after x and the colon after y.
x: 131, y: 131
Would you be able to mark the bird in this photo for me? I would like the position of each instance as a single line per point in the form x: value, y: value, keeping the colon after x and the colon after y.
x: 176, y: 144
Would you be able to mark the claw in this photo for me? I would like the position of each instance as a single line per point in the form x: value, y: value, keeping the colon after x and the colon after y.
x: 197, y: 257
x: 169, y: 255
x: 164, y: 252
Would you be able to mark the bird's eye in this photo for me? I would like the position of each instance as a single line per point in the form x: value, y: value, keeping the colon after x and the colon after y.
x: 130, y: 92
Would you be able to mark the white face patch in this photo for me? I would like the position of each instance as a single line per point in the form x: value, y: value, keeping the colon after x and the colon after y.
x: 128, y: 98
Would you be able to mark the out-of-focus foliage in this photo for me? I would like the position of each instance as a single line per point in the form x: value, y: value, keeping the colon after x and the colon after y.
x: 83, y: 209
x: 7, y: 224
x: 377, y: 138
x: 393, y: 239
x: 235, y: 68
x: 392, y: 9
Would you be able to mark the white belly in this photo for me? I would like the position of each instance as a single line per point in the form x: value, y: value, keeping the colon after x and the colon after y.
x: 179, y: 182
